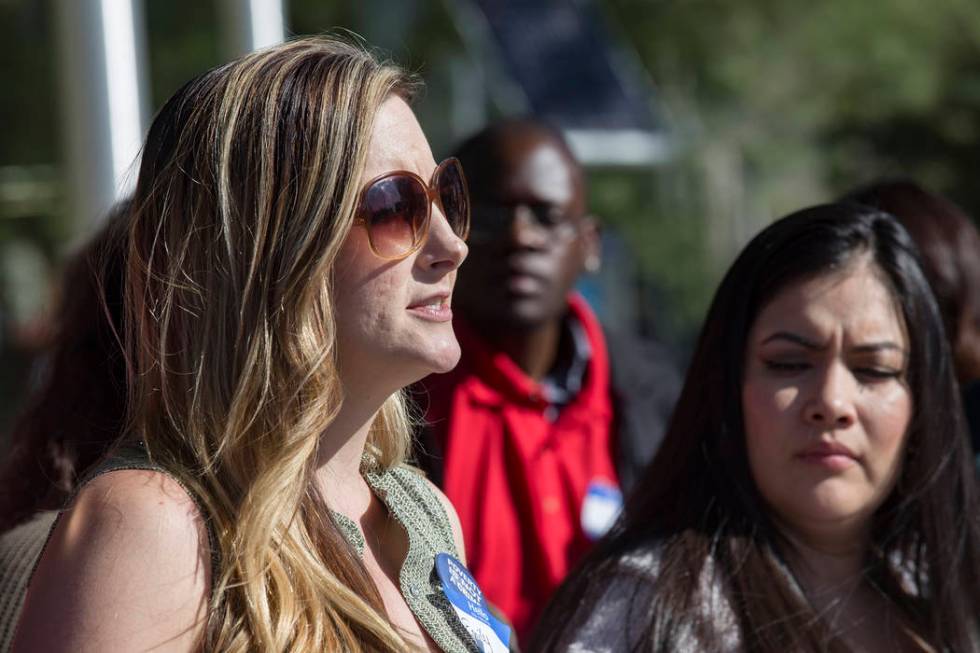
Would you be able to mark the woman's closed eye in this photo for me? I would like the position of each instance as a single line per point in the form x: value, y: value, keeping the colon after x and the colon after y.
x: 786, y: 365
x: 865, y: 373
x: 877, y: 373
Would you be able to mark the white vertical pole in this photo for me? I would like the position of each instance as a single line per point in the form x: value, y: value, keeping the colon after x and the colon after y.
x: 252, y: 24
x: 104, y: 99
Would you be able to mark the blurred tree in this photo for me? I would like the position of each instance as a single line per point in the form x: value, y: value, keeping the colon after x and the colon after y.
x: 183, y: 41
x: 28, y: 111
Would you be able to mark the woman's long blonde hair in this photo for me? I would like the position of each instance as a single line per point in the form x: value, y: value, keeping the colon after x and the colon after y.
x: 246, y: 192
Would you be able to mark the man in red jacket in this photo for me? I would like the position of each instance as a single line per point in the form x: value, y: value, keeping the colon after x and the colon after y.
x: 529, y: 436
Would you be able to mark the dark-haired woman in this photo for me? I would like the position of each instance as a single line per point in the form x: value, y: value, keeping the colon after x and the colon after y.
x: 77, y: 411
x: 814, y: 490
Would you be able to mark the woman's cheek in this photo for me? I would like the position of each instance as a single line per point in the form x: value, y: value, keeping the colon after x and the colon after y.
x: 887, y: 420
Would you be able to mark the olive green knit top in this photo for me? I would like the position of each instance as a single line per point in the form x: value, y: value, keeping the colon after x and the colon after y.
x: 20, y: 548
x: 410, y: 501
x: 415, y: 506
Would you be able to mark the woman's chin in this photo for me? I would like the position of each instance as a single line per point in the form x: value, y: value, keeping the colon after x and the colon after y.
x: 446, y: 357
x: 437, y: 359
x: 827, y: 512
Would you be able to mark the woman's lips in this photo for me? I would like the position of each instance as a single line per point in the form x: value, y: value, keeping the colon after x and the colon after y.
x: 835, y: 462
x: 829, y: 455
x: 433, y: 309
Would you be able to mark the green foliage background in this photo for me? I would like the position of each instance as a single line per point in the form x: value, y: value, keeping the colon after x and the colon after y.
x: 779, y: 104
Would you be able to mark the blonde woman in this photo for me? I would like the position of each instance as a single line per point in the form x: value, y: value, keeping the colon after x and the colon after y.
x: 289, y: 266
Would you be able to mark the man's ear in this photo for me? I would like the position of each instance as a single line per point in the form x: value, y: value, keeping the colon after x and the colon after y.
x: 591, y: 244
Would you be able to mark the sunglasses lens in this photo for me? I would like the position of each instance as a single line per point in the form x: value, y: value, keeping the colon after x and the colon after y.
x: 455, y: 197
x: 394, y: 209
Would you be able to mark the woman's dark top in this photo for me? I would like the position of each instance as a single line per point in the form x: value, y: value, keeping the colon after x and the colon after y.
x: 623, y: 618
x: 619, y: 619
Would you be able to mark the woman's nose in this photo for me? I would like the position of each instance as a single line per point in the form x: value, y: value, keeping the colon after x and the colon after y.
x: 442, y: 248
x: 831, y: 404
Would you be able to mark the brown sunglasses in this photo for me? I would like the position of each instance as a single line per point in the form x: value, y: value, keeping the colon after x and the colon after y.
x: 396, y: 208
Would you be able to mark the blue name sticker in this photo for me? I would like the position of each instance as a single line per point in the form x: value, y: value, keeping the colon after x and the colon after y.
x: 466, y: 597
x: 602, y: 505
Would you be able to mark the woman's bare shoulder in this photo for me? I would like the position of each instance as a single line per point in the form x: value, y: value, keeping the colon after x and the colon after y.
x: 127, y: 567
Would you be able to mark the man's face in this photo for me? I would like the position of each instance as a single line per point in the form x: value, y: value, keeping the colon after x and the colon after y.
x: 529, y: 238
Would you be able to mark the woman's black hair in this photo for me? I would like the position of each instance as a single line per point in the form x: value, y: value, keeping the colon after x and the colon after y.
x: 77, y: 412
x: 698, y: 499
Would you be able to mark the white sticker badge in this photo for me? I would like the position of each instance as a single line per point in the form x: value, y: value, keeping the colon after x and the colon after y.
x: 466, y: 597
x: 602, y: 505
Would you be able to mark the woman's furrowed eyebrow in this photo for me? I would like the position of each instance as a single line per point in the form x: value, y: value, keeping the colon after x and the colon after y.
x: 865, y: 348
x: 794, y: 338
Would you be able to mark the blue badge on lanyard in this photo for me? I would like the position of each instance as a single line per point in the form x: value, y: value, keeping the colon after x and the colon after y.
x: 602, y: 505
x: 466, y: 597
